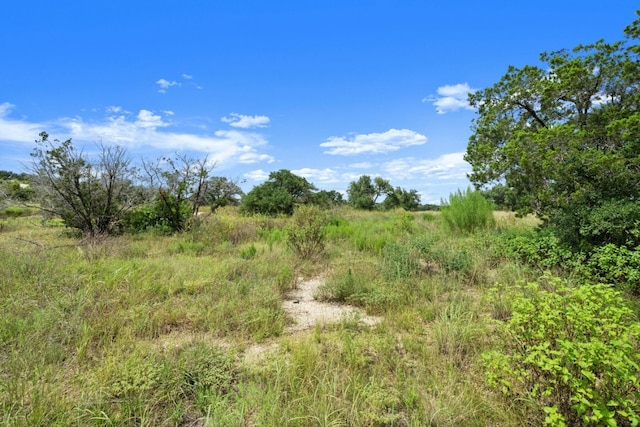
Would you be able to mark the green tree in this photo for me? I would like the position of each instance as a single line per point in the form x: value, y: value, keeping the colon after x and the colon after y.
x: 177, y: 187
x: 364, y: 193
x: 328, y: 199
x: 220, y: 191
x: 280, y: 194
x: 89, y: 195
x: 501, y: 197
x: 408, y: 200
x: 564, y: 136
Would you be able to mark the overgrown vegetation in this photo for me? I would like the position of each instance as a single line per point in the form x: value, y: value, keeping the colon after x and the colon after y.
x: 125, y: 307
x: 563, y: 139
x: 189, y: 328
x: 574, y: 353
x: 468, y: 211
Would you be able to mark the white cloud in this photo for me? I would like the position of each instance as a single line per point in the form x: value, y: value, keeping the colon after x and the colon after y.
x: 325, y: 176
x: 450, y: 166
x: 373, y: 143
x: 257, y: 175
x: 113, y: 109
x: 138, y: 132
x: 146, y: 119
x: 361, y: 165
x: 451, y: 98
x: 246, y: 122
x: 166, y: 84
x: 187, y: 76
x: 17, y: 130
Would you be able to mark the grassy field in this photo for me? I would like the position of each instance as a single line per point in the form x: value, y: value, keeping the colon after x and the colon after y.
x: 189, y: 330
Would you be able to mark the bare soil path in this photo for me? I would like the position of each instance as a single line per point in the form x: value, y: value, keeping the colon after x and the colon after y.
x: 302, y: 310
x: 306, y: 312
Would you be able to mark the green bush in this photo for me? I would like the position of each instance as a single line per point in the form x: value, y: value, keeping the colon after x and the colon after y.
x: 156, y: 217
x: 542, y: 248
x: 306, y: 233
x: 467, y: 212
x: 617, y: 265
x: 574, y: 352
x: 15, y: 212
x: 614, y: 221
x: 248, y: 252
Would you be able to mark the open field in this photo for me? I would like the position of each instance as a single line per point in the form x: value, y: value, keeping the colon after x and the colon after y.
x: 194, y: 330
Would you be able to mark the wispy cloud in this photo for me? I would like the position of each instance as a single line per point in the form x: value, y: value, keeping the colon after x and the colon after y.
x: 361, y: 165
x: 451, y: 98
x: 114, y: 109
x: 17, y: 130
x: 164, y: 84
x: 246, y: 122
x: 257, y: 175
x: 373, y: 143
x: 321, y: 176
x: 451, y: 166
x: 139, y: 131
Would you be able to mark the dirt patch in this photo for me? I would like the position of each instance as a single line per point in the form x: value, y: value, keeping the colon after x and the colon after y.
x: 301, y: 308
x: 306, y: 312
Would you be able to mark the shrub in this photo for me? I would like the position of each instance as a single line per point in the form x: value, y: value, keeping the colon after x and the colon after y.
x: 617, y: 265
x: 467, y: 212
x: 574, y: 352
x: 155, y: 217
x: 306, y: 233
x: 248, y: 252
x: 15, y: 212
x: 542, y: 249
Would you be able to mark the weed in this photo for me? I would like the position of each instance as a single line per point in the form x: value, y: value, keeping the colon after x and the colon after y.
x: 467, y: 212
x: 574, y: 352
x: 306, y: 233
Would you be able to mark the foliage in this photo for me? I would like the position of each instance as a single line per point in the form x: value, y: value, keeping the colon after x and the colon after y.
x: 563, y: 137
x: 178, y: 189
x: 574, y: 351
x: 501, y: 197
x: 364, y: 193
x: 91, y: 196
x: 220, y: 191
x: 616, y: 265
x: 13, y: 176
x: 328, y: 199
x: 467, y: 212
x: 16, y: 211
x: 538, y: 248
x: 193, y: 328
x: 306, y: 234
x: 401, y: 198
x: 401, y: 261
x: 157, y: 216
x: 280, y: 194
x: 19, y: 191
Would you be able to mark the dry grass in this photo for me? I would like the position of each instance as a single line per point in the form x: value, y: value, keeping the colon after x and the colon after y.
x: 190, y: 329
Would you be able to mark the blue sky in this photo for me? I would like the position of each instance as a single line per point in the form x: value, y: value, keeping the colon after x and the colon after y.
x: 330, y: 90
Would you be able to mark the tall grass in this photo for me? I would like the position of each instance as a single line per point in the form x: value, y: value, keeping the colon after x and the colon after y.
x: 157, y: 330
x: 467, y: 211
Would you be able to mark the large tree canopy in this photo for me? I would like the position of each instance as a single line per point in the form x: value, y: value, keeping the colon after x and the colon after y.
x: 365, y: 192
x: 279, y: 194
x: 564, y: 136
